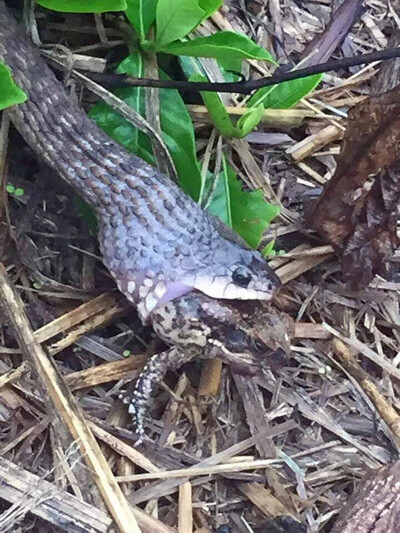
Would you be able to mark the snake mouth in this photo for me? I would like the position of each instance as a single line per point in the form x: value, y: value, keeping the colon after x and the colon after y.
x: 221, y: 288
x: 232, y: 292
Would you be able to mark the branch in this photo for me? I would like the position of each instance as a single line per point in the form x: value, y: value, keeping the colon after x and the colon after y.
x: 246, y: 86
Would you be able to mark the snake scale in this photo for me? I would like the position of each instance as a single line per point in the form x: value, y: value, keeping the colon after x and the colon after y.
x: 168, y: 257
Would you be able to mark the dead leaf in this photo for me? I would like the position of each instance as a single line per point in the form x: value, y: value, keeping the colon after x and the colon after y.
x: 355, y: 210
x: 368, y: 250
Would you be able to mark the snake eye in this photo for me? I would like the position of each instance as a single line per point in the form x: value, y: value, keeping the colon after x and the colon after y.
x: 241, y: 276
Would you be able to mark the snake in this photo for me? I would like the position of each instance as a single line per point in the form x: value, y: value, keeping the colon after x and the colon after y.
x: 157, y: 243
x: 178, y: 265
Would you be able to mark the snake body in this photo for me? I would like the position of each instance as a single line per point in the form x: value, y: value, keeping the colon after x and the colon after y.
x: 155, y: 240
x: 168, y: 257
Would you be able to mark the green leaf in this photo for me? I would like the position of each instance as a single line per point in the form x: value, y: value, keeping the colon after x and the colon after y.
x: 249, y: 120
x: 286, y: 94
x: 178, y: 134
x: 176, y: 125
x: 191, y: 66
x: 220, y: 204
x: 10, y: 188
x: 141, y: 14
x: 19, y: 192
x: 219, y: 114
x: 210, y: 6
x: 269, y: 249
x: 175, y: 19
x: 10, y: 93
x: 246, y: 212
x: 228, y: 47
x: 221, y: 118
x: 217, y: 110
x: 115, y: 125
x: 81, y: 6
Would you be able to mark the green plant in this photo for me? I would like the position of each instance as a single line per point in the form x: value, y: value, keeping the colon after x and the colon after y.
x: 14, y: 191
x: 172, y: 22
x: 269, y: 250
x: 77, y: 6
x: 10, y: 93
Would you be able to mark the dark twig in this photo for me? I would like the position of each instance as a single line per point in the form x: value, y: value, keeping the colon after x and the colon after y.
x: 247, y: 86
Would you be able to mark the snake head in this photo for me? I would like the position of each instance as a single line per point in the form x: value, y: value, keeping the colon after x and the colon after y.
x: 248, y: 279
x: 236, y: 271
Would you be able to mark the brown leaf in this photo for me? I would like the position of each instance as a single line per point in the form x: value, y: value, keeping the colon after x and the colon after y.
x: 354, y: 217
x: 374, y: 240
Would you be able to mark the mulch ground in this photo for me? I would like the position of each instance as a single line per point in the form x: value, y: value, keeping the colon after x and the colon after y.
x: 277, y: 452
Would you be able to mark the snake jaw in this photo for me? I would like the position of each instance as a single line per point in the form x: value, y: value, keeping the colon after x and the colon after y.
x: 247, y: 278
x: 148, y: 290
x: 224, y: 287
